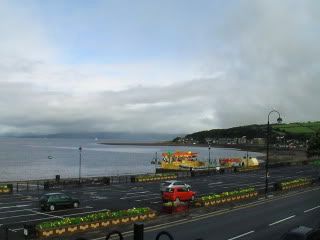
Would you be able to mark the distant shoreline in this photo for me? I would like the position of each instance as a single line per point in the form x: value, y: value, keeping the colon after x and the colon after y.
x: 274, y: 154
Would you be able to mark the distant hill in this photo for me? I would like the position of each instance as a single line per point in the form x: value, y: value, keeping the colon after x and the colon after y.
x: 121, y: 136
x: 299, y: 131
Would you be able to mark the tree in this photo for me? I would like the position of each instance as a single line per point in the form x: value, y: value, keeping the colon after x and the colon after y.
x: 313, y: 149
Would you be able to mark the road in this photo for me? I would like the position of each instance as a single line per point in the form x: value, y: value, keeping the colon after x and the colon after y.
x: 22, y: 207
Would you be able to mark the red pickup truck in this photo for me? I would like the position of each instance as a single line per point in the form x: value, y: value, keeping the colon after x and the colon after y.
x: 178, y: 194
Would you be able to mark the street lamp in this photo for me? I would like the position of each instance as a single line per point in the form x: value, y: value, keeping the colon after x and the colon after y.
x: 209, y: 140
x: 279, y: 120
x: 80, y: 149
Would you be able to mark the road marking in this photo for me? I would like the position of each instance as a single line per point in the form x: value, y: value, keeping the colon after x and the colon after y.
x: 16, y: 206
x: 137, y: 196
x: 134, y: 193
x: 15, y: 202
x: 242, y: 235
x: 282, y: 220
x: 156, y: 202
x: 15, y: 211
x: 46, y: 214
x: 215, y: 183
x: 145, y: 199
x: 311, y: 209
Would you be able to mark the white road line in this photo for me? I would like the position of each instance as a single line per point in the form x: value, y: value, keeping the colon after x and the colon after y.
x: 16, y: 211
x: 16, y: 229
x: 311, y: 209
x: 16, y: 206
x: 15, y: 202
x: 136, y: 196
x: 139, y: 200
x: 134, y: 193
x: 46, y: 214
x: 242, y: 235
x: 16, y: 216
x: 214, y: 183
x: 282, y: 220
x: 156, y: 202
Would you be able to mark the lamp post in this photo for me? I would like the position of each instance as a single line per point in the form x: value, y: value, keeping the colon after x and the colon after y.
x: 279, y: 120
x: 80, y: 149
x: 209, y: 140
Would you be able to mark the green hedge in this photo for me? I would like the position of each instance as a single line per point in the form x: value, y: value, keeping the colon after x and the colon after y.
x: 94, y: 217
x: 295, y: 182
x: 239, y: 192
x: 155, y: 177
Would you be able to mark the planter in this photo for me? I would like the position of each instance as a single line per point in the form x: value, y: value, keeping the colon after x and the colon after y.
x: 7, y: 188
x: 292, y: 184
x: 89, y: 226
x: 153, y: 178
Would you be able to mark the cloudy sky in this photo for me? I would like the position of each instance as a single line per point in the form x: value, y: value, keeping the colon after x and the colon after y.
x: 170, y: 66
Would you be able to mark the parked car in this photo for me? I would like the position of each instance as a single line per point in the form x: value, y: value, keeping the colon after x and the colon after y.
x: 178, y: 194
x: 52, y: 201
x: 302, y: 233
x: 173, y: 183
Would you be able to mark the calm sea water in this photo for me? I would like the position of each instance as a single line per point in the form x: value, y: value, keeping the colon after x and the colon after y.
x: 26, y: 159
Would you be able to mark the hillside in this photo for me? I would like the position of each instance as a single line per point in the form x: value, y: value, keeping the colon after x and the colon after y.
x: 298, y: 131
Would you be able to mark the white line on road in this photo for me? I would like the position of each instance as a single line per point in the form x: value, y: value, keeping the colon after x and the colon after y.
x: 282, y: 220
x: 137, y: 196
x: 214, y: 183
x: 145, y: 199
x: 134, y: 193
x: 46, y: 214
x: 242, y: 235
x: 311, y: 209
x: 16, y: 206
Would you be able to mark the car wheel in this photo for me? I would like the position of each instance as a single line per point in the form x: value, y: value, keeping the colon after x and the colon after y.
x: 52, y: 207
x: 177, y: 200
x: 192, y: 198
x: 75, y: 204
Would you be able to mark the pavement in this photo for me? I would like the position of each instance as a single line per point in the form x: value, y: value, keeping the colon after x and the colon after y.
x: 22, y: 207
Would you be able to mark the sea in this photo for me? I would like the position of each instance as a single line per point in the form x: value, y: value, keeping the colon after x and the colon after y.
x: 44, y: 158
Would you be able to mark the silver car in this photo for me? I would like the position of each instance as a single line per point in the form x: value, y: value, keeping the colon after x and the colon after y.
x: 172, y: 183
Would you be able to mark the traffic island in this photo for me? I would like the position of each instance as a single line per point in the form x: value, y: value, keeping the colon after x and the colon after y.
x: 226, y: 197
x: 154, y: 177
x: 292, y: 184
x: 91, y: 222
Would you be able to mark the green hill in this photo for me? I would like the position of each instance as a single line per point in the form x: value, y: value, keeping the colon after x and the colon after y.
x: 298, y: 131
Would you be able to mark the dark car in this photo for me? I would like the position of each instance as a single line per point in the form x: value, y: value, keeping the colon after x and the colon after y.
x: 302, y: 233
x: 52, y: 201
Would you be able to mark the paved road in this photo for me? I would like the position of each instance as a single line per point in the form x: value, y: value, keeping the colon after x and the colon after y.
x: 264, y: 220
x: 22, y: 207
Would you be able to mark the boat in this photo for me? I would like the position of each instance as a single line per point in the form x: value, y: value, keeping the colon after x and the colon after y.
x: 181, y: 161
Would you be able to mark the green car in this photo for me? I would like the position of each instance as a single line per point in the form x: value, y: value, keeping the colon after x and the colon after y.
x: 52, y: 201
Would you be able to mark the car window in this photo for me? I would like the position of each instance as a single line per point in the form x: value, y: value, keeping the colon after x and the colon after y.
x: 178, y: 183
x: 166, y: 183
x: 64, y: 197
x: 169, y: 190
x: 54, y: 198
x: 182, y: 190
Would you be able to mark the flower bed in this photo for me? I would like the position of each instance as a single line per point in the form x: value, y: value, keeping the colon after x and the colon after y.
x: 7, y: 188
x: 293, y: 184
x: 155, y: 177
x: 173, y: 207
x: 226, y: 197
x: 92, y: 222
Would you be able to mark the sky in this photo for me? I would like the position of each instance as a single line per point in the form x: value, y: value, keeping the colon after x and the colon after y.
x: 170, y: 66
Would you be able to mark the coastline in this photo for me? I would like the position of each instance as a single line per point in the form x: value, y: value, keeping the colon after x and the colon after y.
x: 275, y: 155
